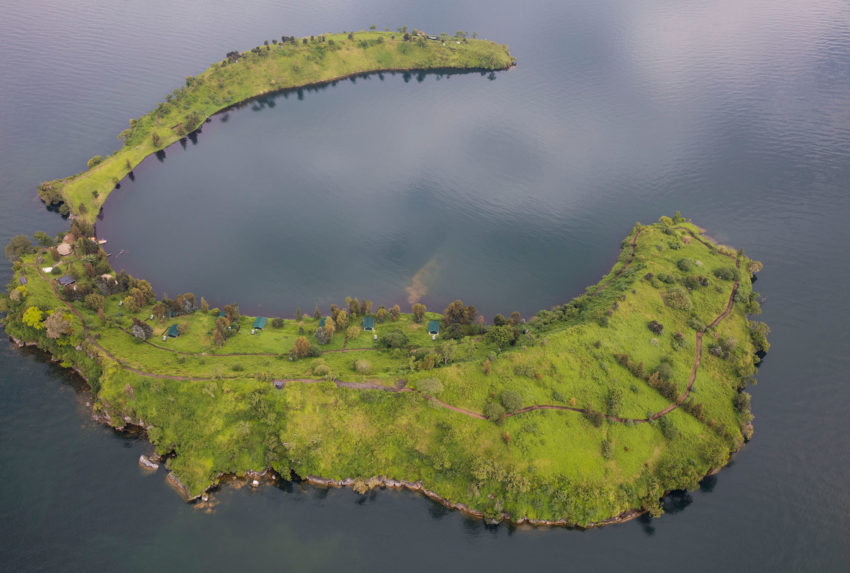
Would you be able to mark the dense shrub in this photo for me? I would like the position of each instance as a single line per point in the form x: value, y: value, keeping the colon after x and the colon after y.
x: 685, y: 265
x: 668, y: 429
x: 727, y: 273
x: 742, y: 402
x: 595, y: 418
x: 494, y: 411
x: 677, y: 298
x: 362, y: 366
x: 758, y: 334
x: 511, y: 400
x: 697, y: 324
x: 431, y: 386
x: 607, y: 449
x: 392, y: 339
x: 276, y: 322
x: 656, y: 326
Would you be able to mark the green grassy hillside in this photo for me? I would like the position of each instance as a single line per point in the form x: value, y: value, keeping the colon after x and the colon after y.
x: 579, y: 413
x: 286, y: 63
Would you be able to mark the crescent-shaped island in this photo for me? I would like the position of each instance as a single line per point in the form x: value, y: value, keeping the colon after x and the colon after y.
x: 581, y: 415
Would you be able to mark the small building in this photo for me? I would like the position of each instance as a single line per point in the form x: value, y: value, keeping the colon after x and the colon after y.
x: 64, y: 249
x: 369, y: 323
x: 259, y: 324
x: 433, y: 328
x: 322, y: 322
x: 23, y: 280
x: 67, y: 280
x: 173, y: 331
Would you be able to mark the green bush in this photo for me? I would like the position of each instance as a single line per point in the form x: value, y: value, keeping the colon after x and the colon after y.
x: 685, y: 265
x: 362, y: 366
x: 668, y: 429
x: 94, y: 161
x: 727, y: 273
x: 430, y: 386
x: 607, y: 449
x: 392, y: 339
x: 494, y: 411
x: 677, y: 298
x: 511, y: 400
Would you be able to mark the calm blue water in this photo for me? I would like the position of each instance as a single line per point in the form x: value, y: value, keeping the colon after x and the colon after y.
x: 512, y: 193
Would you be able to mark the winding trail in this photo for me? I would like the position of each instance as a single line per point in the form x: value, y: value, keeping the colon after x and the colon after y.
x: 400, y: 385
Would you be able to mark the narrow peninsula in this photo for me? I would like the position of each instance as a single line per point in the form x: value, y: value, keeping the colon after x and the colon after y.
x: 581, y: 415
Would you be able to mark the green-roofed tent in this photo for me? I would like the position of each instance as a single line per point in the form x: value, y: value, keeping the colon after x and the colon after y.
x: 433, y: 327
x: 322, y: 322
x: 368, y: 323
x: 173, y: 332
x: 260, y: 322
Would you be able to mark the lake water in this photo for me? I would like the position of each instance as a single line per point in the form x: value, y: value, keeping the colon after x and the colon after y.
x: 510, y: 191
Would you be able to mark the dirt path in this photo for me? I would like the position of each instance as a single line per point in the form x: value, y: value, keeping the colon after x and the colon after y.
x: 399, y: 388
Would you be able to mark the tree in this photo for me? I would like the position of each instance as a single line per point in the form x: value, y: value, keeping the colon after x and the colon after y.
x: 156, y: 139
x: 742, y: 402
x: 502, y: 336
x: 298, y: 314
x: 221, y: 326
x: 131, y: 305
x: 431, y: 386
x: 342, y: 319
x: 141, y: 330
x: 418, y: 312
x: 353, y: 306
x: 18, y: 246
x: 95, y: 302
x: 395, y: 312
x: 511, y: 400
x: 324, y: 334
x: 499, y: 320
x: 366, y: 306
x: 57, y: 324
x: 94, y: 161
x: 656, y: 326
x: 392, y: 339
x: 188, y: 302
x: 205, y: 307
x: 352, y: 332
x: 317, y: 314
x: 231, y: 311
x: 614, y: 400
x: 33, y: 317
x: 277, y: 322
x: 301, y: 348
x: 159, y: 311
x: 43, y: 239
x: 495, y: 412
x: 457, y: 313
x: 381, y: 315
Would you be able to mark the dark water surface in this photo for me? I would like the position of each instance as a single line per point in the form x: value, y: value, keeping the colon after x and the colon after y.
x: 512, y: 193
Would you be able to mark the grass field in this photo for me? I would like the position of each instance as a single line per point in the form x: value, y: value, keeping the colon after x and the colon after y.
x: 623, y: 421
x: 282, y: 65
